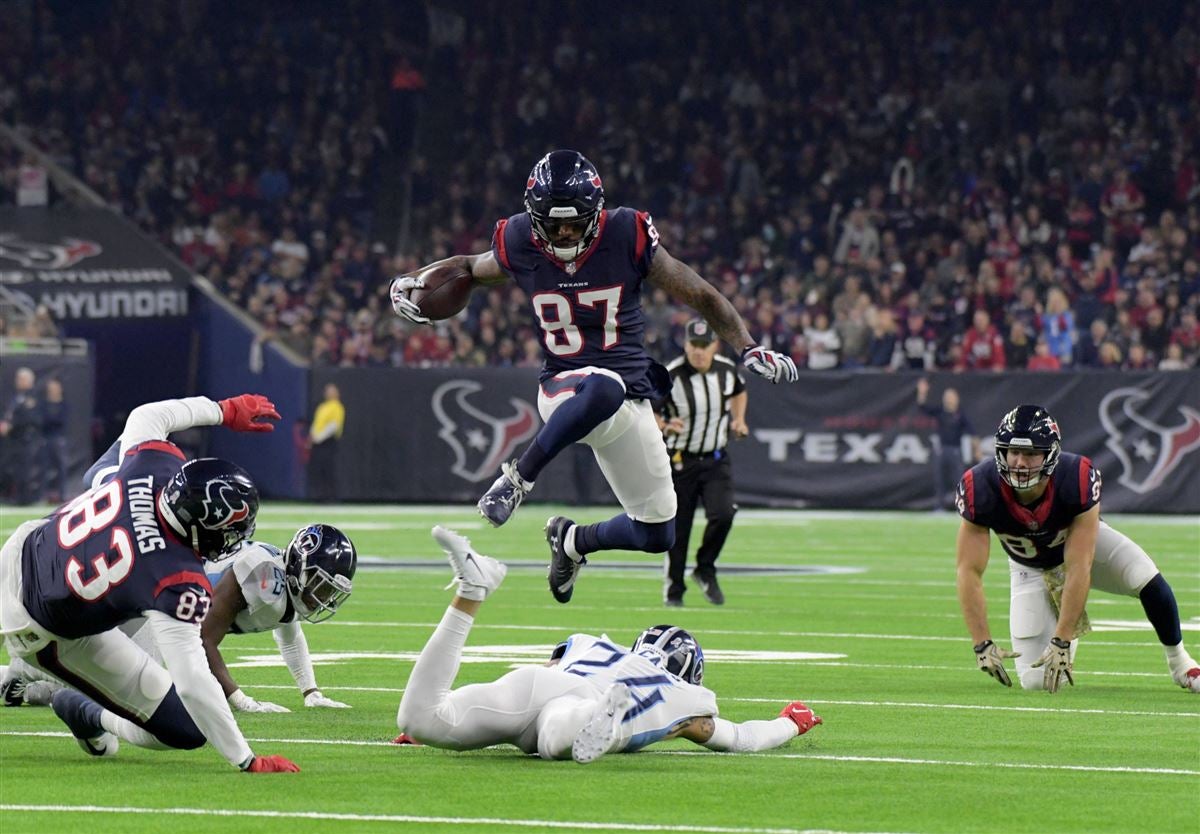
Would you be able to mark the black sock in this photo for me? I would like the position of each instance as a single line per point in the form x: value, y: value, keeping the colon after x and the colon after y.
x: 1162, y: 611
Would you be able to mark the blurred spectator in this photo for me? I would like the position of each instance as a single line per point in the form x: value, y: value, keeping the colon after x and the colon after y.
x: 953, y: 428
x: 1058, y: 327
x: 1173, y: 361
x: 329, y: 421
x: 21, y: 428
x: 1043, y: 358
x: 55, y: 417
x: 982, y: 346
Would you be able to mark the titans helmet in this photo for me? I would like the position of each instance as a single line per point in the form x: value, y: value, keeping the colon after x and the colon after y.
x: 681, y: 654
x: 318, y: 566
x: 564, y: 189
x: 1028, y: 428
x: 212, y: 504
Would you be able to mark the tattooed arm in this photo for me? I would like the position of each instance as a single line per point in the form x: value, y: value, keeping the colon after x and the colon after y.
x: 682, y: 283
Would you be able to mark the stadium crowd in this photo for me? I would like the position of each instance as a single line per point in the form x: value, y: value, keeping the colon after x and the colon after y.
x: 1013, y: 197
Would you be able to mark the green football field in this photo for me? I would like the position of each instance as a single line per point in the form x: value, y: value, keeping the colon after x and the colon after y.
x: 858, y: 618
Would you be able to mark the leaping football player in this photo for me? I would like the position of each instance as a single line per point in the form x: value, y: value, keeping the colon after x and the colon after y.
x: 583, y: 267
x: 593, y: 698
x: 1044, y: 506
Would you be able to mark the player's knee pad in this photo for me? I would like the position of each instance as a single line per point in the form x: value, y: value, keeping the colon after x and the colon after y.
x: 172, y: 724
x: 604, y: 394
x: 654, y: 538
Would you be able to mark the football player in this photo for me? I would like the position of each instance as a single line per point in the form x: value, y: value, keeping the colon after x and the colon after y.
x: 1044, y: 506
x: 134, y: 547
x: 583, y: 268
x: 593, y: 698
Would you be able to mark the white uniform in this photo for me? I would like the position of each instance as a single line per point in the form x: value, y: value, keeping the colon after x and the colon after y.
x: 258, y: 569
x: 539, y: 709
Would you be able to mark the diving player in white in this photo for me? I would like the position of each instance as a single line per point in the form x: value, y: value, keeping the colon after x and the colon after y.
x: 594, y: 698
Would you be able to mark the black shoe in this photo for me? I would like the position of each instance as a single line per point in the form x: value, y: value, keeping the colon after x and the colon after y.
x: 673, y: 602
x: 82, y: 716
x: 712, y: 591
x: 563, y: 569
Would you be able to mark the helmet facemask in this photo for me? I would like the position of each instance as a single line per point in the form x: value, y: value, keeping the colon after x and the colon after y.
x: 1027, y: 428
x: 319, y: 565
x: 316, y: 594
x: 546, y: 227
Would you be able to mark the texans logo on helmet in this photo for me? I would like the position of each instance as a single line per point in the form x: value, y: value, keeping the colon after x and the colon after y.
x: 222, y: 506
x: 480, y: 441
x: 33, y: 255
x: 1147, y: 451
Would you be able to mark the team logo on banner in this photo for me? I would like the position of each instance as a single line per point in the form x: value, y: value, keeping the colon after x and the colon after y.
x: 1147, y: 452
x: 33, y: 255
x: 480, y: 441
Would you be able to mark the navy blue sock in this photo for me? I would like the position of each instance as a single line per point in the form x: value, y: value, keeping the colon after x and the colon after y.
x: 597, y: 397
x: 623, y: 533
x: 1162, y: 611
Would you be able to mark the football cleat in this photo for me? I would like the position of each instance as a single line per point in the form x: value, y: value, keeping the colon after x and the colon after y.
x: 499, y: 503
x: 602, y: 731
x: 477, y: 575
x: 12, y: 687
x: 563, y: 569
x: 712, y: 591
x: 1189, y: 679
x: 82, y: 716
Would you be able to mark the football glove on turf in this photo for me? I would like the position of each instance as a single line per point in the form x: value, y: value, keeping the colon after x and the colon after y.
x: 1056, y: 661
x: 271, y: 764
x: 991, y: 660
x: 801, y: 716
x: 404, y: 306
x: 241, y: 702
x: 769, y: 364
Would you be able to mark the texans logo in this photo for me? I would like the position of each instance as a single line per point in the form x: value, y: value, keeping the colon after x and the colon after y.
x: 33, y: 255
x: 1148, y: 452
x: 222, y: 506
x: 480, y: 441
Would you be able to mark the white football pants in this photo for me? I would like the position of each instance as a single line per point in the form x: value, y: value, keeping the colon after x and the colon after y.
x: 536, y: 708
x: 630, y: 450
x: 1120, y: 567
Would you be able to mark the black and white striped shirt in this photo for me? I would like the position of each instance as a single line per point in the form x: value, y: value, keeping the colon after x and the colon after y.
x: 701, y: 400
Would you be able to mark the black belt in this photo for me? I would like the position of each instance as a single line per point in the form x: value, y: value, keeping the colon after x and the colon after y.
x: 716, y: 454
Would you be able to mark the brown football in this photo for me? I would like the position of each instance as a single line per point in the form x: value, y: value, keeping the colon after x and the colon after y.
x: 447, y: 290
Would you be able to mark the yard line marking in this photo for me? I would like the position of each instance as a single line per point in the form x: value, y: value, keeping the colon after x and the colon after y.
x: 413, y: 818
x: 1152, y: 771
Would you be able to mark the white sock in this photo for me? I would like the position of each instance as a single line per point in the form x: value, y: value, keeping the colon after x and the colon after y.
x: 1178, y: 658
x: 126, y: 730
x: 435, y: 670
x: 569, y: 544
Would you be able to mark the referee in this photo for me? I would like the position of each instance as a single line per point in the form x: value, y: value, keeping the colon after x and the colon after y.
x: 706, y: 404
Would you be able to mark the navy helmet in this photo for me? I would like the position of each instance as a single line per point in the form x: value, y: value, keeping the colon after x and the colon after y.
x: 681, y: 654
x: 1028, y: 428
x: 212, y: 504
x: 318, y: 566
x: 564, y: 189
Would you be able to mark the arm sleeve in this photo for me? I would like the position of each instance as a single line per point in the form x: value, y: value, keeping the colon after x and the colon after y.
x: 293, y: 647
x: 750, y: 736
x: 183, y: 653
x: 154, y: 421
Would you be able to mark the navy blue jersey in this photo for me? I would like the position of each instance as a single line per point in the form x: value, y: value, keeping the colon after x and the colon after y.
x: 1034, y: 535
x: 108, y: 556
x: 589, y: 310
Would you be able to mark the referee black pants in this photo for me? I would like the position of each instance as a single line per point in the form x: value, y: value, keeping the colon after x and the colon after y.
x: 707, y: 480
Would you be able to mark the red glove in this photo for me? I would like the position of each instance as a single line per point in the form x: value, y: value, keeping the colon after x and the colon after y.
x: 248, y: 412
x: 405, y: 738
x: 272, y: 764
x: 801, y: 716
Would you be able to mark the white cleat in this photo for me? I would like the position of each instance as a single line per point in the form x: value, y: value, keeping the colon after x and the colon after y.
x: 477, y: 575
x: 602, y: 731
x: 1189, y: 679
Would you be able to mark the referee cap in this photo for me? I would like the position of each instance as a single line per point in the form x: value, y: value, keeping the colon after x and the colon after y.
x: 700, y: 332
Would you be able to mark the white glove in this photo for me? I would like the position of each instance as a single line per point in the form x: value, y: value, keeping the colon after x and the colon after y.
x: 991, y: 660
x: 404, y: 306
x: 769, y: 364
x: 241, y: 702
x: 1057, y: 662
x: 316, y: 699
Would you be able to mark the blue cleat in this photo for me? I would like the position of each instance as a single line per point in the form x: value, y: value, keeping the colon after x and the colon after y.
x: 82, y: 716
x: 506, y: 494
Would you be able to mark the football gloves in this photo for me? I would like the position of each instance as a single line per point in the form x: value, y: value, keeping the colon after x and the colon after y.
x: 404, y: 306
x: 248, y: 412
x: 241, y: 702
x: 801, y: 716
x: 1056, y: 665
x: 771, y: 365
x: 271, y: 764
x: 991, y: 660
x: 316, y: 699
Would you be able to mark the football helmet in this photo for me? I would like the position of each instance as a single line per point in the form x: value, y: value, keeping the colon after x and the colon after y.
x: 681, y: 654
x: 318, y: 566
x: 1028, y: 427
x: 564, y: 189
x: 212, y: 504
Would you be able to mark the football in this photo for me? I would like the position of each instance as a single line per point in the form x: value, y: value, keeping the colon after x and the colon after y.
x: 447, y: 290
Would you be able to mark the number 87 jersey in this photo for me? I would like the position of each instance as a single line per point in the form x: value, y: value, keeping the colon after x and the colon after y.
x: 1034, y: 535
x: 108, y: 556
x: 589, y: 310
